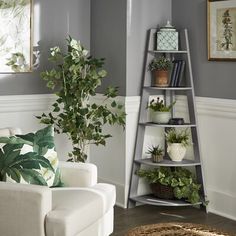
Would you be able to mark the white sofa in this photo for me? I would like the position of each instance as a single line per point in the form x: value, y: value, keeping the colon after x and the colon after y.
x: 82, y: 208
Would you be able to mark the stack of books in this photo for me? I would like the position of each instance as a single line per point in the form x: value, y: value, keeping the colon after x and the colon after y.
x: 177, y: 73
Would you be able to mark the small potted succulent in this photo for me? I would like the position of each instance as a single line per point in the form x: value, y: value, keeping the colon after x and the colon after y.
x: 160, y: 113
x: 156, y: 152
x: 177, y: 142
x: 160, y: 68
x: 167, y: 183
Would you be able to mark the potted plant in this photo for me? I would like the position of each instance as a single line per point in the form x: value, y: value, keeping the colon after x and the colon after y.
x: 160, y: 113
x: 167, y: 183
x: 76, y: 76
x: 160, y: 68
x: 177, y: 141
x: 156, y: 152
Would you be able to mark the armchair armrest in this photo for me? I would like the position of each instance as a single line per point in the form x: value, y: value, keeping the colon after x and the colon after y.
x: 78, y: 174
x: 23, y: 209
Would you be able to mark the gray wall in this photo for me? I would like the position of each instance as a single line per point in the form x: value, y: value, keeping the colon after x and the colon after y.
x: 50, y: 29
x: 118, y: 33
x: 211, y: 78
x: 108, y: 40
x: 141, y: 16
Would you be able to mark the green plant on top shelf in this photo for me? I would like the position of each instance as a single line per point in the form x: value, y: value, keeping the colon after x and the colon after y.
x: 158, y: 105
x: 161, y: 63
x: 178, y: 136
x: 182, y: 181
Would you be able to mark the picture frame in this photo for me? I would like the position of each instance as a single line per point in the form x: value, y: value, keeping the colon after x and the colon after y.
x: 16, y: 46
x: 221, y: 15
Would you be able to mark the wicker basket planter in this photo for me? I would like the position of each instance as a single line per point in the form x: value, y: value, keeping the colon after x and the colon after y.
x: 162, y: 191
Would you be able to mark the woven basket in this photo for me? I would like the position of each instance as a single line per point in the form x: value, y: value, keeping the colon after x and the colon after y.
x: 162, y: 191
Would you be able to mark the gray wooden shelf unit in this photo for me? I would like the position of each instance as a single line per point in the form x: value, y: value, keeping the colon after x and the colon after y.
x: 169, y: 96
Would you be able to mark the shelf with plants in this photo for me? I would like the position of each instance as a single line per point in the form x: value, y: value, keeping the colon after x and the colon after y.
x: 183, y: 173
x: 169, y: 51
x: 166, y: 125
x: 167, y: 88
x: 152, y: 200
x: 167, y: 162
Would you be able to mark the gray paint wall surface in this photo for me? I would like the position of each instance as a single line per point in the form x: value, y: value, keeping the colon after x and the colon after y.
x: 141, y: 16
x: 53, y: 20
x: 211, y: 78
x: 108, y: 40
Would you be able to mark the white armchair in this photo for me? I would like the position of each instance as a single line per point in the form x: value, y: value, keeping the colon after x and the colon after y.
x: 82, y: 208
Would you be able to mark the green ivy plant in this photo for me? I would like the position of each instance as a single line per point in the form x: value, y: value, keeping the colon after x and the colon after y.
x: 76, y: 77
x: 182, y: 180
x: 161, y: 63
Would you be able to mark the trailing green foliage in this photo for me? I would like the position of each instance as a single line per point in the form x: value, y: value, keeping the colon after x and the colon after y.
x: 76, y: 77
x: 159, y: 105
x: 155, y: 150
x: 182, y: 180
x: 178, y: 136
x: 161, y: 63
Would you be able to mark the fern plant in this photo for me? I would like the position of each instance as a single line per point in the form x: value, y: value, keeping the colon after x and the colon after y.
x: 178, y: 136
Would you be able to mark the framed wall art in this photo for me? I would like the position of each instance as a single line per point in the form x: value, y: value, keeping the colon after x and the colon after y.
x: 221, y: 29
x: 15, y: 36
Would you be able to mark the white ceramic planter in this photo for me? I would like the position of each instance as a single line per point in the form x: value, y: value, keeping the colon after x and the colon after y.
x: 160, y: 117
x: 176, y: 151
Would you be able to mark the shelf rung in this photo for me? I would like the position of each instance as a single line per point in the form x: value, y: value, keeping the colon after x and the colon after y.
x: 168, y: 163
x: 167, y: 125
x: 168, y: 51
x: 152, y: 200
x: 167, y: 88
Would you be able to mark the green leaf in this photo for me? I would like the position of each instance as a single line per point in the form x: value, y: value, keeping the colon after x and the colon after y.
x: 33, y: 177
x: 113, y: 104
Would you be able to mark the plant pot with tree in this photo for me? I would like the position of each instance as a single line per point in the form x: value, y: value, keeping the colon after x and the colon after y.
x: 160, y: 68
x: 160, y: 113
x: 168, y: 183
x: 75, y: 78
x: 156, y: 152
x: 177, y: 142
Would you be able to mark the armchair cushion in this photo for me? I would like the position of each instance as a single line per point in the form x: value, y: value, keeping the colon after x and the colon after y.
x: 23, y: 209
x: 30, y: 158
x: 75, y: 209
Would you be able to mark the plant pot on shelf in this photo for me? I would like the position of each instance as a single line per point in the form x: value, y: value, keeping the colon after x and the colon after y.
x: 162, y: 191
x: 160, y: 117
x: 157, y: 158
x: 176, y: 151
x: 160, y: 78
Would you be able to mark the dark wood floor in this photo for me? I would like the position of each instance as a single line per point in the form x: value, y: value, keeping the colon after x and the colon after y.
x: 128, y: 218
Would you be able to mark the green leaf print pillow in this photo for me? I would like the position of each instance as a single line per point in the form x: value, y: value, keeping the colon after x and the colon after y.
x: 30, y: 158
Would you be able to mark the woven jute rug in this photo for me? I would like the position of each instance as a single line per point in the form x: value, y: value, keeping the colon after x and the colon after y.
x: 176, y: 229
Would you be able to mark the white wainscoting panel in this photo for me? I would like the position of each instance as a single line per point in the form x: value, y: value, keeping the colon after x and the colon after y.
x: 20, y: 111
x: 217, y: 131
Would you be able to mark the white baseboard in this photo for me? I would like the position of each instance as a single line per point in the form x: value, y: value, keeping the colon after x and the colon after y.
x: 222, y: 204
x: 120, y: 191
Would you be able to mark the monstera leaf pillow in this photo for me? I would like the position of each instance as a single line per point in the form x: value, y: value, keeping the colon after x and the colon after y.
x: 30, y: 158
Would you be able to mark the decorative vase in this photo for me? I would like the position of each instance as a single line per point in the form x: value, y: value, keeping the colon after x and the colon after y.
x: 160, y: 117
x: 160, y: 78
x: 157, y: 158
x: 176, y: 151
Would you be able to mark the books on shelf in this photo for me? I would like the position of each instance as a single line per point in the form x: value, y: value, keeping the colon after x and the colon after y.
x: 177, y: 73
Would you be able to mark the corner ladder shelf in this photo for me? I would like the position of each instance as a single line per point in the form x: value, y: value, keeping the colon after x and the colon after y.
x: 169, y: 95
